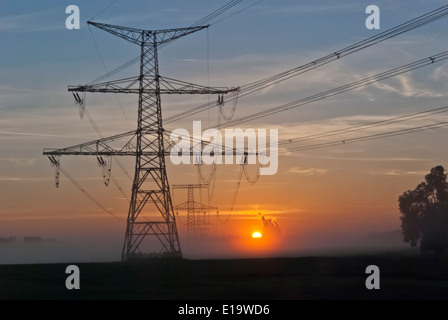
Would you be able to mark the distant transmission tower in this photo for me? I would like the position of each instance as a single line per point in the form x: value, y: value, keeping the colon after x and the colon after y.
x: 197, y: 222
x: 150, y: 189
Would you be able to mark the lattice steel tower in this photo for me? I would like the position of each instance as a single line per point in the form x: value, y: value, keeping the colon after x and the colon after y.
x: 197, y: 222
x: 150, y: 188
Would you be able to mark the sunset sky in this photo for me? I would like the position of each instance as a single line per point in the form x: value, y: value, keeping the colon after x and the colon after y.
x: 321, y: 197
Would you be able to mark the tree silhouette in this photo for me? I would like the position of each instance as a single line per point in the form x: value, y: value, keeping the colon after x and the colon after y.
x: 424, y: 213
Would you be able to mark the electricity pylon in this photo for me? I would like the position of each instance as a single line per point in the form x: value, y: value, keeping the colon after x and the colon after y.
x: 150, y: 188
x: 197, y: 224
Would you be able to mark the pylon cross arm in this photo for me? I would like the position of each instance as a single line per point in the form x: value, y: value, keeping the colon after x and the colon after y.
x: 146, y: 37
x: 100, y: 147
x: 167, y: 86
x: 150, y: 190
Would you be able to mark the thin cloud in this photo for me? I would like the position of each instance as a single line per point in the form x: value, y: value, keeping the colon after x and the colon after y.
x: 15, y: 133
x: 7, y: 89
x: 440, y: 73
x: 24, y: 179
x: 32, y: 22
x: 398, y: 172
x: 407, y: 87
x: 301, y: 131
x: 308, y: 171
x: 378, y: 159
x: 23, y: 162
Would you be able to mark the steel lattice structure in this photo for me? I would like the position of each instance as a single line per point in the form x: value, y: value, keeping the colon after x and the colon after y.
x: 150, y: 187
x: 197, y: 224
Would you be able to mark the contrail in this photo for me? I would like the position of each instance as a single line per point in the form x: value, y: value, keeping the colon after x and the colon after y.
x: 36, y: 134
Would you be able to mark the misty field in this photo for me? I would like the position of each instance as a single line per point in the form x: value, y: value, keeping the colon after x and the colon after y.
x: 401, y: 277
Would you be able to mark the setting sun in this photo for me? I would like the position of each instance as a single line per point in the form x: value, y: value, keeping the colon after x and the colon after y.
x: 256, y: 235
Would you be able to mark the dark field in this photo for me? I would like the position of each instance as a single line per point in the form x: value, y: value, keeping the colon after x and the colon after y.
x: 403, y: 277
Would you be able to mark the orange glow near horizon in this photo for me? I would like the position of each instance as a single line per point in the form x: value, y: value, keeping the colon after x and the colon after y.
x: 249, y: 241
x: 256, y: 234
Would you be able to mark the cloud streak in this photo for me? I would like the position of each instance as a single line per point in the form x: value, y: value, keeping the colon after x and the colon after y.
x: 15, y: 133
x: 406, y: 87
x: 307, y: 171
x: 398, y: 172
x: 24, y: 179
x: 32, y: 22
x: 307, y: 9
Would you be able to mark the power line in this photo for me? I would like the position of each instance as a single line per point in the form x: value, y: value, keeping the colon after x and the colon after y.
x: 239, y: 11
x: 87, y: 194
x: 369, y: 137
x: 393, y: 120
x: 258, y: 85
x: 92, y: 122
x: 203, y: 21
x: 280, y: 77
x: 109, y: 5
x: 216, y: 13
x: 388, y: 121
x: 199, y: 141
x: 354, y: 85
x: 351, y: 129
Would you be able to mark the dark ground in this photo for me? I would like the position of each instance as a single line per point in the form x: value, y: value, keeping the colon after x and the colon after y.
x: 402, y: 277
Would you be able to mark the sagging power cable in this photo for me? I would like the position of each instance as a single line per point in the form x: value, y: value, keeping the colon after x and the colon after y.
x: 351, y: 86
x: 255, y: 86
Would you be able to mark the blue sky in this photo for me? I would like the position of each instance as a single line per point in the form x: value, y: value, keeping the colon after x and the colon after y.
x: 39, y: 58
